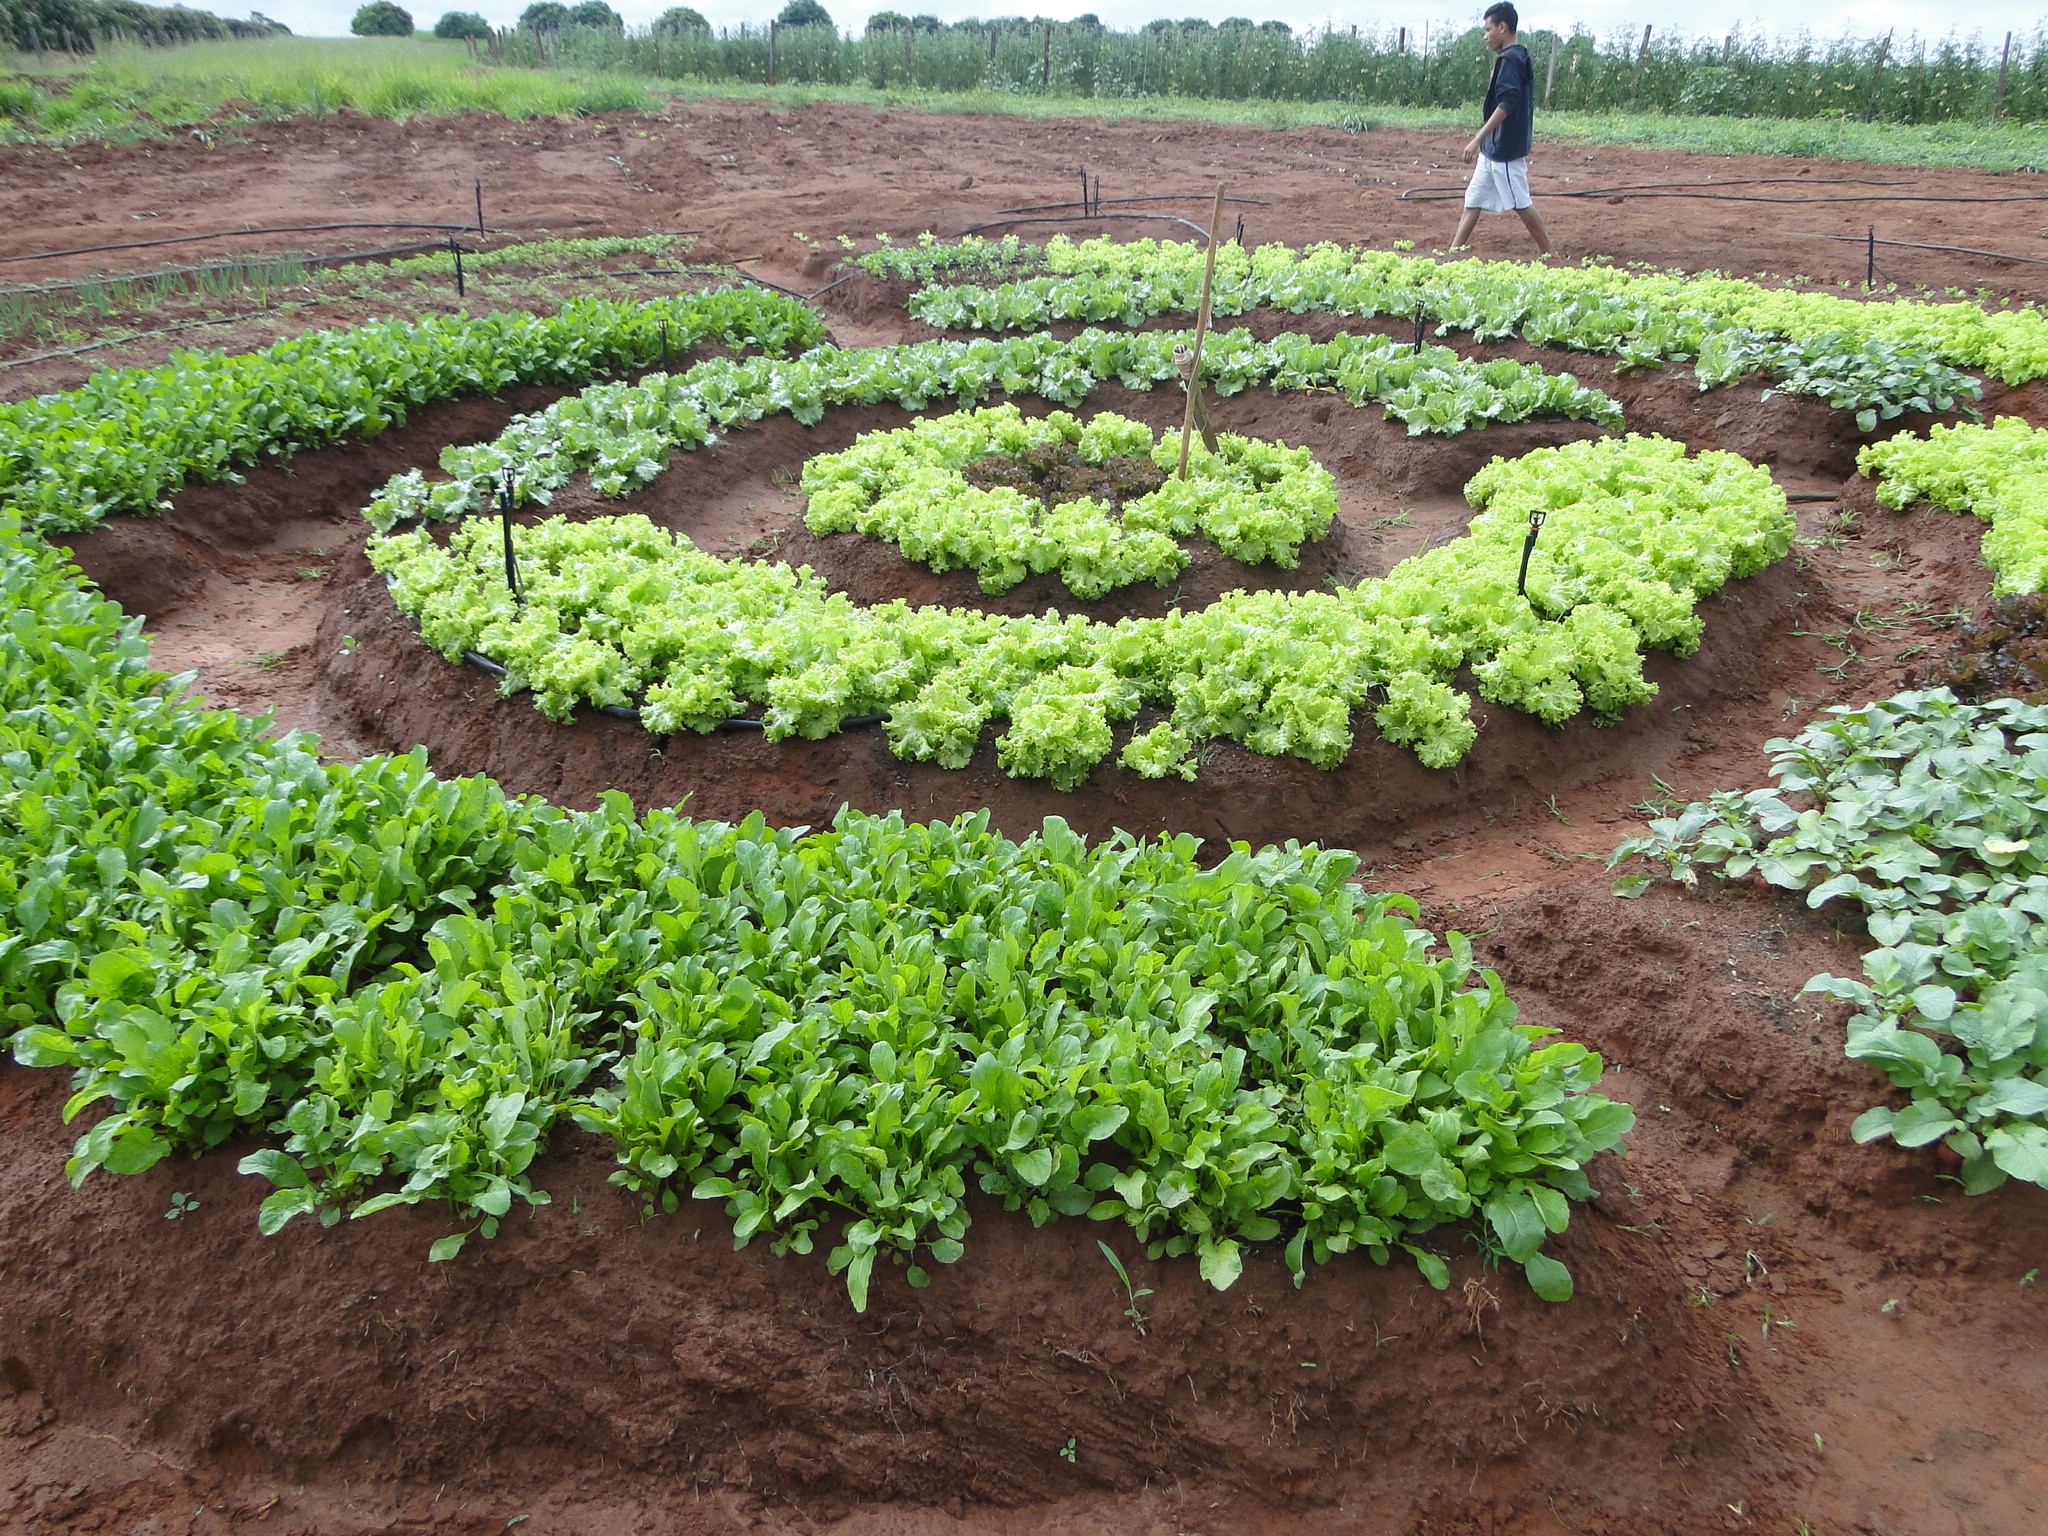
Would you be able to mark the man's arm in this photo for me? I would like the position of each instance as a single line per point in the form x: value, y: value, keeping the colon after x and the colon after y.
x: 1500, y: 115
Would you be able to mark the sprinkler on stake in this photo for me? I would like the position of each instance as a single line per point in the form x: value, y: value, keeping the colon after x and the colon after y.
x: 479, y: 210
x: 455, y: 250
x: 664, y: 343
x: 1529, y: 548
x: 1418, y: 327
x: 512, y: 582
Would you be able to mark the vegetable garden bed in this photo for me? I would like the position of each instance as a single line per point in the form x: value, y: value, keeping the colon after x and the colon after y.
x: 867, y: 1038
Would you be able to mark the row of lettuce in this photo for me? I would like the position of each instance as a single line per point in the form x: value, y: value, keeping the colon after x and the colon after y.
x: 617, y: 611
x: 407, y: 983
x: 1879, y: 359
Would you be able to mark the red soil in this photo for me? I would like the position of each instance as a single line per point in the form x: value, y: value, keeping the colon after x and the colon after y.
x: 1773, y: 1325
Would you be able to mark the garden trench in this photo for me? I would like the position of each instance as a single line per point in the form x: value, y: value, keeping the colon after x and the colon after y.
x: 594, y: 1371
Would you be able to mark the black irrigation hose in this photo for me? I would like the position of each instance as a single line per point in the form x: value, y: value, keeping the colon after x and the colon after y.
x: 235, y: 234
x: 254, y: 264
x: 621, y: 712
x: 1921, y: 245
x: 1163, y: 197
x: 115, y: 341
x: 1158, y: 218
x: 1445, y: 194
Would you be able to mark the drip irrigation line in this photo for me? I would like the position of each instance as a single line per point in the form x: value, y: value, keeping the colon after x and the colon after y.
x: 1111, y: 202
x: 1813, y: 495
x: 255, y: 264
x: 766, y: 282
x: 115, y: 341
x: 235, y: 234
x: 1444, y: 194
x: 1157, y: 218
x: 1920, y: 245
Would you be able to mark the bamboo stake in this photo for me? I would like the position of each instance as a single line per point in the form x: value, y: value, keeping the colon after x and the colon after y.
x: 1550, y: 74
x: 1187, y: 426
x: 1642, y: 59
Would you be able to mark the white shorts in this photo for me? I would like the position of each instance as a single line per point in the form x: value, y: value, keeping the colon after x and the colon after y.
x: 1498, y: 186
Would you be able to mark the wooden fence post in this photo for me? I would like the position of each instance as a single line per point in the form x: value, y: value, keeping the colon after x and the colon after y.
x: 1045, y: 64
x: 1877, y: 77
x: 773, y: 28
x: 1550, y: 74
x: 1402, y: 46
x: 1642, y: 59
x: 2004, y: 63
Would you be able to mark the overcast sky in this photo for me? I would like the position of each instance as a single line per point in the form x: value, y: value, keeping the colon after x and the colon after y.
x: 1825, y: 18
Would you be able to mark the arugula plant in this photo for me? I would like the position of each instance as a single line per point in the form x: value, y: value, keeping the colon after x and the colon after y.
x: 406, y: 984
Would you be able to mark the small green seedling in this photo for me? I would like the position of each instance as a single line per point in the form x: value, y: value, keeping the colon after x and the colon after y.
x: 182, y: 1204
x: 1133, y: 1297
x: 1069, y: 1452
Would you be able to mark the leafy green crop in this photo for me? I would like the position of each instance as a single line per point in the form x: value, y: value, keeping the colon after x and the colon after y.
x: 1865, y: 356
x: 618, y: 611
x: 410, y: 983
x: 1255, y: 501
x: 130, y: 437
x: 1999, y: 472
x: 621, y: 435
x: 1933, y: 815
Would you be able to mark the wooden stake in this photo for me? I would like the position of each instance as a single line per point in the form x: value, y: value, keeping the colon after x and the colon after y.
x: 1187, y: 426
x: 2004, y: 63
x: 1550, y: 74
x: 1877, y: 78
x: 1642, y: 58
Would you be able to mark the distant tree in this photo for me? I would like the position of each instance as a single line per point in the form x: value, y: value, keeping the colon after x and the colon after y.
x: 1161, y: 27
x: 888, y: 21
x: 380, y: 18
x: 456, y: 25
x: 1280, y: 27
x: 804, y: 13
x: 1197, y: 24
x: 925, y: 21
x: 595, y: 13
x: 1087, y: 21
x: 681, y: 18
x: 1235, y: 24
x: 544, y: 16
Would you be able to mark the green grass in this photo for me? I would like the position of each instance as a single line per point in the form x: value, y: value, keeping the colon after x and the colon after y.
x: 135, y: 93
x: 130, y: 93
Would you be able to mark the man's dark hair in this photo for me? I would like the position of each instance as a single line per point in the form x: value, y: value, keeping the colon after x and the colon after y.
x: 1505, y: 14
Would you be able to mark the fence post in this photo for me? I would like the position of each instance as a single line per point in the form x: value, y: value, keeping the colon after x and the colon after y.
x: 773, y: 28
x: 1045, y: 64
x: 1550, y: 74
x: 906, y: 57
x: 1876, y: 77
x: 2004, y: 63
x: 1402, y: 46
x: 1642, y: 59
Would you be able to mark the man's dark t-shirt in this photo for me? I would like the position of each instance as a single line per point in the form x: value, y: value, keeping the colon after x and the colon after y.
x: 1513, y: 86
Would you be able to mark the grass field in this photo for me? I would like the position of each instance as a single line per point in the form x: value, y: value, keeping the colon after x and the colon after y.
x: 133, y: 93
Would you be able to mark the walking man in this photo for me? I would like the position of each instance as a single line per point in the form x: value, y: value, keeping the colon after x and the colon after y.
x: 1500, y: 176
